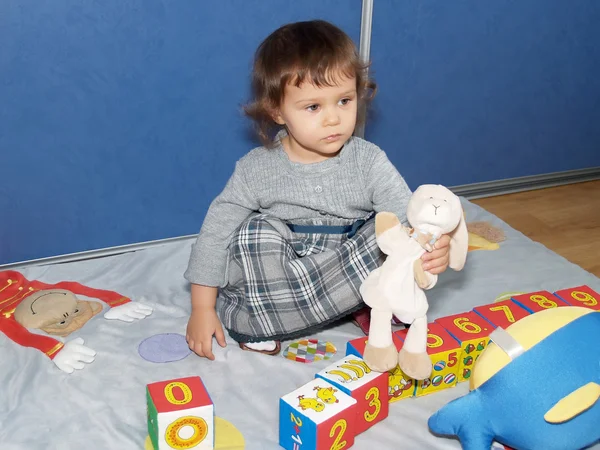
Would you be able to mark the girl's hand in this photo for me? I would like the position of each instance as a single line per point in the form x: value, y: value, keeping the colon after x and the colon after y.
x: 436, y: 262
x: 203, y: 324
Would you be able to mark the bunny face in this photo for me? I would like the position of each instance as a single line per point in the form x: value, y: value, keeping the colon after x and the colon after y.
x: 434, y: 205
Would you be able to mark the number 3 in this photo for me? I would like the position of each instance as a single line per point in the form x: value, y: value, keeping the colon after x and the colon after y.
x: 373, y: 392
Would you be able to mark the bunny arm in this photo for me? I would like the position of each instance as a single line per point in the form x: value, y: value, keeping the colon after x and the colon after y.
x: 424, y: 280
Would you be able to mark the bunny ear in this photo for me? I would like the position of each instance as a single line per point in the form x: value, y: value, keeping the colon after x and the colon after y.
x: 459, y: 245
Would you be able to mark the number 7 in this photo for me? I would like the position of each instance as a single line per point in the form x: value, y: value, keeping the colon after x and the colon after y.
x: 507, y: 312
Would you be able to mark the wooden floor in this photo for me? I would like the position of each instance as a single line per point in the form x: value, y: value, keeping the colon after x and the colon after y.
x: 566, y: 219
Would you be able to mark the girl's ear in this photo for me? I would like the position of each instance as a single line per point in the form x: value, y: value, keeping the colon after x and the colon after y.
x: 275, y: 114
x: 459, y: 245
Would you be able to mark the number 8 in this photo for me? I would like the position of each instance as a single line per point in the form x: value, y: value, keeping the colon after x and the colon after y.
x: 543, y: 301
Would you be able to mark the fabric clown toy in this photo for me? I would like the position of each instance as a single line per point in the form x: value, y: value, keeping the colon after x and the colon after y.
x: 56, y: 310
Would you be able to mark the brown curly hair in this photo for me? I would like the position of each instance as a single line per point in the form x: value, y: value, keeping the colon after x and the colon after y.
x: 314, y: 51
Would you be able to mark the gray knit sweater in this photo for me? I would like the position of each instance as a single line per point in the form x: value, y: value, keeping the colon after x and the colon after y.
x: 358, y: 181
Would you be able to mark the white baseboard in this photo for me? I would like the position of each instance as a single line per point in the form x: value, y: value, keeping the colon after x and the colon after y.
x: 521, y: 184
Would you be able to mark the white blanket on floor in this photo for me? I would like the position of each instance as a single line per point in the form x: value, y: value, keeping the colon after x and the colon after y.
x: 104, y: 406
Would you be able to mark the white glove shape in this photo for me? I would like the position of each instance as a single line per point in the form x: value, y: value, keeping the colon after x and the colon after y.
x: 128, y: 312
x: 74, y: 355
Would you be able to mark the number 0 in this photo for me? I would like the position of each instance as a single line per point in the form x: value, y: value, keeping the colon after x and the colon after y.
x: 187, y: 393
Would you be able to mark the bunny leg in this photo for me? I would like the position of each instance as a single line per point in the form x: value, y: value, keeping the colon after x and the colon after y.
x: 380, y: 352
x: 413, y: 358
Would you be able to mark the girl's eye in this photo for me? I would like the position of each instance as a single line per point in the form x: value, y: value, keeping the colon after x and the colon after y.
x: 312, y: 107
x: 62, y: 323
x: 76, y: 311
x: 345, y: 101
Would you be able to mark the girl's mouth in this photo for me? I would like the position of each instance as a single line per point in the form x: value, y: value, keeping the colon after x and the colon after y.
x: 332, y: 137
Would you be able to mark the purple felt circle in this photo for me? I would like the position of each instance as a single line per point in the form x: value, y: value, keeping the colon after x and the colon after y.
x: 162, y: 348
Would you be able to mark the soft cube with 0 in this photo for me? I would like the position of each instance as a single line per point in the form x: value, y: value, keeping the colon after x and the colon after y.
x: 180, y: 415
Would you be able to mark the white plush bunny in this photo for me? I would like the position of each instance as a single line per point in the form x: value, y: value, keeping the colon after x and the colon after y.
x: 397, y: 287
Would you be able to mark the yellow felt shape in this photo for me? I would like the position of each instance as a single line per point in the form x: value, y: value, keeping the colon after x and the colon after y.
x: 477, y: 242
x: 484, y: 236
x: 574, y: 404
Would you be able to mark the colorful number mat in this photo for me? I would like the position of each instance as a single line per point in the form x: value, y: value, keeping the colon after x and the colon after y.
x: 309, y: 350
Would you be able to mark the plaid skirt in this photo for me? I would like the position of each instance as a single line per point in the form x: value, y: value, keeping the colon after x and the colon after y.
x: 284, y: 284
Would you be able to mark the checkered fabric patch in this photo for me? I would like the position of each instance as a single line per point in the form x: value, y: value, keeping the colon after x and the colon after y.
x: 309, y: 350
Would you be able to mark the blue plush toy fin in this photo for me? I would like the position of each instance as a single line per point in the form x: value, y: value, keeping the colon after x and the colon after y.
x: 464, y: 418
x: 574, y: 404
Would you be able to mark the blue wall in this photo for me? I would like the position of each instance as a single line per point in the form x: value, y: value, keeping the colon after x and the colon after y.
x: 474, y: 91
x: 120, y: 121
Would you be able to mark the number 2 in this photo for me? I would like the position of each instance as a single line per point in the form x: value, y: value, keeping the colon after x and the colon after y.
x: 338, y: 444
x: 296, y: 420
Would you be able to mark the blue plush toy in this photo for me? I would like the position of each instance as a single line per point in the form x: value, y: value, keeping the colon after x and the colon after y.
x: 535, y: 387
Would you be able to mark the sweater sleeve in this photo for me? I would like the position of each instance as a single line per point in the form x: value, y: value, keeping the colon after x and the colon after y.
x: 389, y: 190
x: 208, y: 260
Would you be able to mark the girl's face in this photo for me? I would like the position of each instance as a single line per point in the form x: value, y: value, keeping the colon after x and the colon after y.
x: 319, y: 121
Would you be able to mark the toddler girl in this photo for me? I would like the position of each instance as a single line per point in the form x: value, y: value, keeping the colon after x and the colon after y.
x: 286, y: 245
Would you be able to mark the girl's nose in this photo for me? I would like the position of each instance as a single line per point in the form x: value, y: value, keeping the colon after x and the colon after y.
x: 331, y: 117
